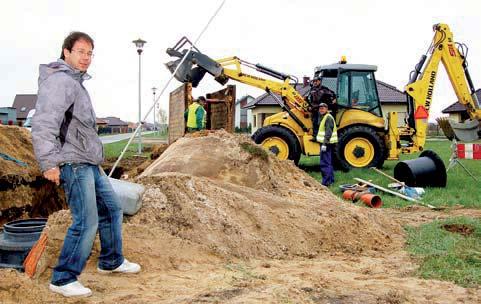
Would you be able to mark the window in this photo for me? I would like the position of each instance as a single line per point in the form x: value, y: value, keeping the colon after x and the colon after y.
x: 343, y: 92
x: 357, y: 89
x: 364, y: 92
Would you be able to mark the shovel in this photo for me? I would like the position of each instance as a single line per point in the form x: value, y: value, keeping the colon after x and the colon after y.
x: 409, y: 191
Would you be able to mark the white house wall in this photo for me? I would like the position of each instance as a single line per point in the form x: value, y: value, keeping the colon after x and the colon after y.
x: 400, y: 109
x: 237, y: 115
x: 250, y: 118
x: 455, y: 116
x: 257, y: 113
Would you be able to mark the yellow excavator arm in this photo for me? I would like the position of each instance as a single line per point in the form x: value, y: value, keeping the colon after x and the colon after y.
x: 421, y: 84
x: 232, y: 69
x: 196, y: 64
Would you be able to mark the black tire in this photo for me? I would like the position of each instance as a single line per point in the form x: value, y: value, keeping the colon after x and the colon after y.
x: 363, y: 132
x: 283, y: 133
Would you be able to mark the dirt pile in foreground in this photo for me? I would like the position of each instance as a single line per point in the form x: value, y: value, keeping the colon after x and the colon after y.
x: 222, y: 191
x: 23, y: 190
x: 179, y: 271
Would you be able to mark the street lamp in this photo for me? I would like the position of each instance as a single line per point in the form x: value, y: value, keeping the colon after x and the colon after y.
x: 139, y: 44
x: 158, y: 112
x: 153, y: 91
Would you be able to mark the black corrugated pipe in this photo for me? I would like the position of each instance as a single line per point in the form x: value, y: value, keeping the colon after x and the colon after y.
x: 427, y: 170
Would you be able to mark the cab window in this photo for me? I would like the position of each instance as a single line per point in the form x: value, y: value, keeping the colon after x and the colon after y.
x: 357, y: 90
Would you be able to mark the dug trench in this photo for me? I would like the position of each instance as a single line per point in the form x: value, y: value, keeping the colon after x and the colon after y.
x: 221, y: 222
x: 23, y: 191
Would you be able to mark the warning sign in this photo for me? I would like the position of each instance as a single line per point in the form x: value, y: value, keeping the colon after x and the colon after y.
x: 421, y: 113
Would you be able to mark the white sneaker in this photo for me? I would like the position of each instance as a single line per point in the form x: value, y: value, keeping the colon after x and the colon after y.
x: 125, y: 267
x: 74, y: 289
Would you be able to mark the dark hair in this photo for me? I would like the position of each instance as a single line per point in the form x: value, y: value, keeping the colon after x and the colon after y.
x: 201, y: 99
x: 72, y: 38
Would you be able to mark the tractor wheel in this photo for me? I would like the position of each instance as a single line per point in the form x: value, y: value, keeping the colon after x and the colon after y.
x: 280, y: 141
x: 359, y: 147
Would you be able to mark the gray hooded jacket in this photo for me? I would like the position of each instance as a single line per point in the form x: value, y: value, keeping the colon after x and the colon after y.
x: 59, y: 87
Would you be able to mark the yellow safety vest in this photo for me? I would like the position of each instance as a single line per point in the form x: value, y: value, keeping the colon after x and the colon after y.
x: 322, y: 132
x: 192, y: 117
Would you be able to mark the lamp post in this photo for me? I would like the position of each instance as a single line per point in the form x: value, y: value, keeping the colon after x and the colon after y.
x: 155, y: 126
x: 160, y: 128
x: 139, y: 44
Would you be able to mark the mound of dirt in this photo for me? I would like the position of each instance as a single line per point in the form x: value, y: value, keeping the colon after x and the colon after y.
x: 17, y: 143
x: 153, y: 247
x: 238, y: 221
x: 157, y: 150
x: 16, y: 287
x: 234, y: 159
x: 23, y: 191
x: 224, y: 193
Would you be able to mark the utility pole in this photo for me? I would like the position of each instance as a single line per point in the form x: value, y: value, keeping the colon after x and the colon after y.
x: 155, y: 126
x: 139, y: 43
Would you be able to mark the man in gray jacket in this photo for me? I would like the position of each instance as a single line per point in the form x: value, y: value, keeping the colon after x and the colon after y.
x: 69, y: 151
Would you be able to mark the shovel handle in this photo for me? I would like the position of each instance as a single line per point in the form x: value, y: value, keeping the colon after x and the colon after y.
x: 387, y: 175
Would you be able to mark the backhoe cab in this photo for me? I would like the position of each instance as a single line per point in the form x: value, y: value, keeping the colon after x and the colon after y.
x: 354, y: 84
x: 361, y: 126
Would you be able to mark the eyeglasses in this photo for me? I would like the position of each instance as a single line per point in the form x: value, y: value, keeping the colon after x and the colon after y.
x: 83, y: 53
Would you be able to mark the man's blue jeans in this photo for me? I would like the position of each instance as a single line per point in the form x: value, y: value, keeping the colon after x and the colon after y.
x: 93, y: 204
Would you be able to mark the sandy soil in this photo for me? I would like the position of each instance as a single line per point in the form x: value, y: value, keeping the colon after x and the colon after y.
x: 248, y: 230
x: 23, y: 191
x: 177, y: 270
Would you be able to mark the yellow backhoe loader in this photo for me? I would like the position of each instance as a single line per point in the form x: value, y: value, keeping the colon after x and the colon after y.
x: 365, y: 138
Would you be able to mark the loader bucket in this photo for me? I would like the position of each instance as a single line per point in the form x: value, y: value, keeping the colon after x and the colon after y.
x: 194, y: 66
x: 186, y: 73
x: 466, y: 131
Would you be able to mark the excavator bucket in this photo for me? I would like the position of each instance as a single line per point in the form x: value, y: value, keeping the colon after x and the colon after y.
x: 195, y: 65
x: 466, y: 131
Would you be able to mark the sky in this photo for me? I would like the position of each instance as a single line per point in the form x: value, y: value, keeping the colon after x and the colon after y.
x: 290, y: 36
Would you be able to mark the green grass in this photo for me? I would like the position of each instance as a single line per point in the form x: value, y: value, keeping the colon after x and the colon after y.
x: 255, y: 150
x: 156, y: 134
x: 113, y: 150
x: 442, y: 255
x: 461, y: 188
x: 447, y: 255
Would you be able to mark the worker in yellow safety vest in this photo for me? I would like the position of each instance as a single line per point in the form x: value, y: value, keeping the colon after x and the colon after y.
x: 195, y: 115
x: 327, y: 137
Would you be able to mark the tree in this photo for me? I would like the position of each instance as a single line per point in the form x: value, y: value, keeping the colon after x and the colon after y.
x: 163, y: 120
